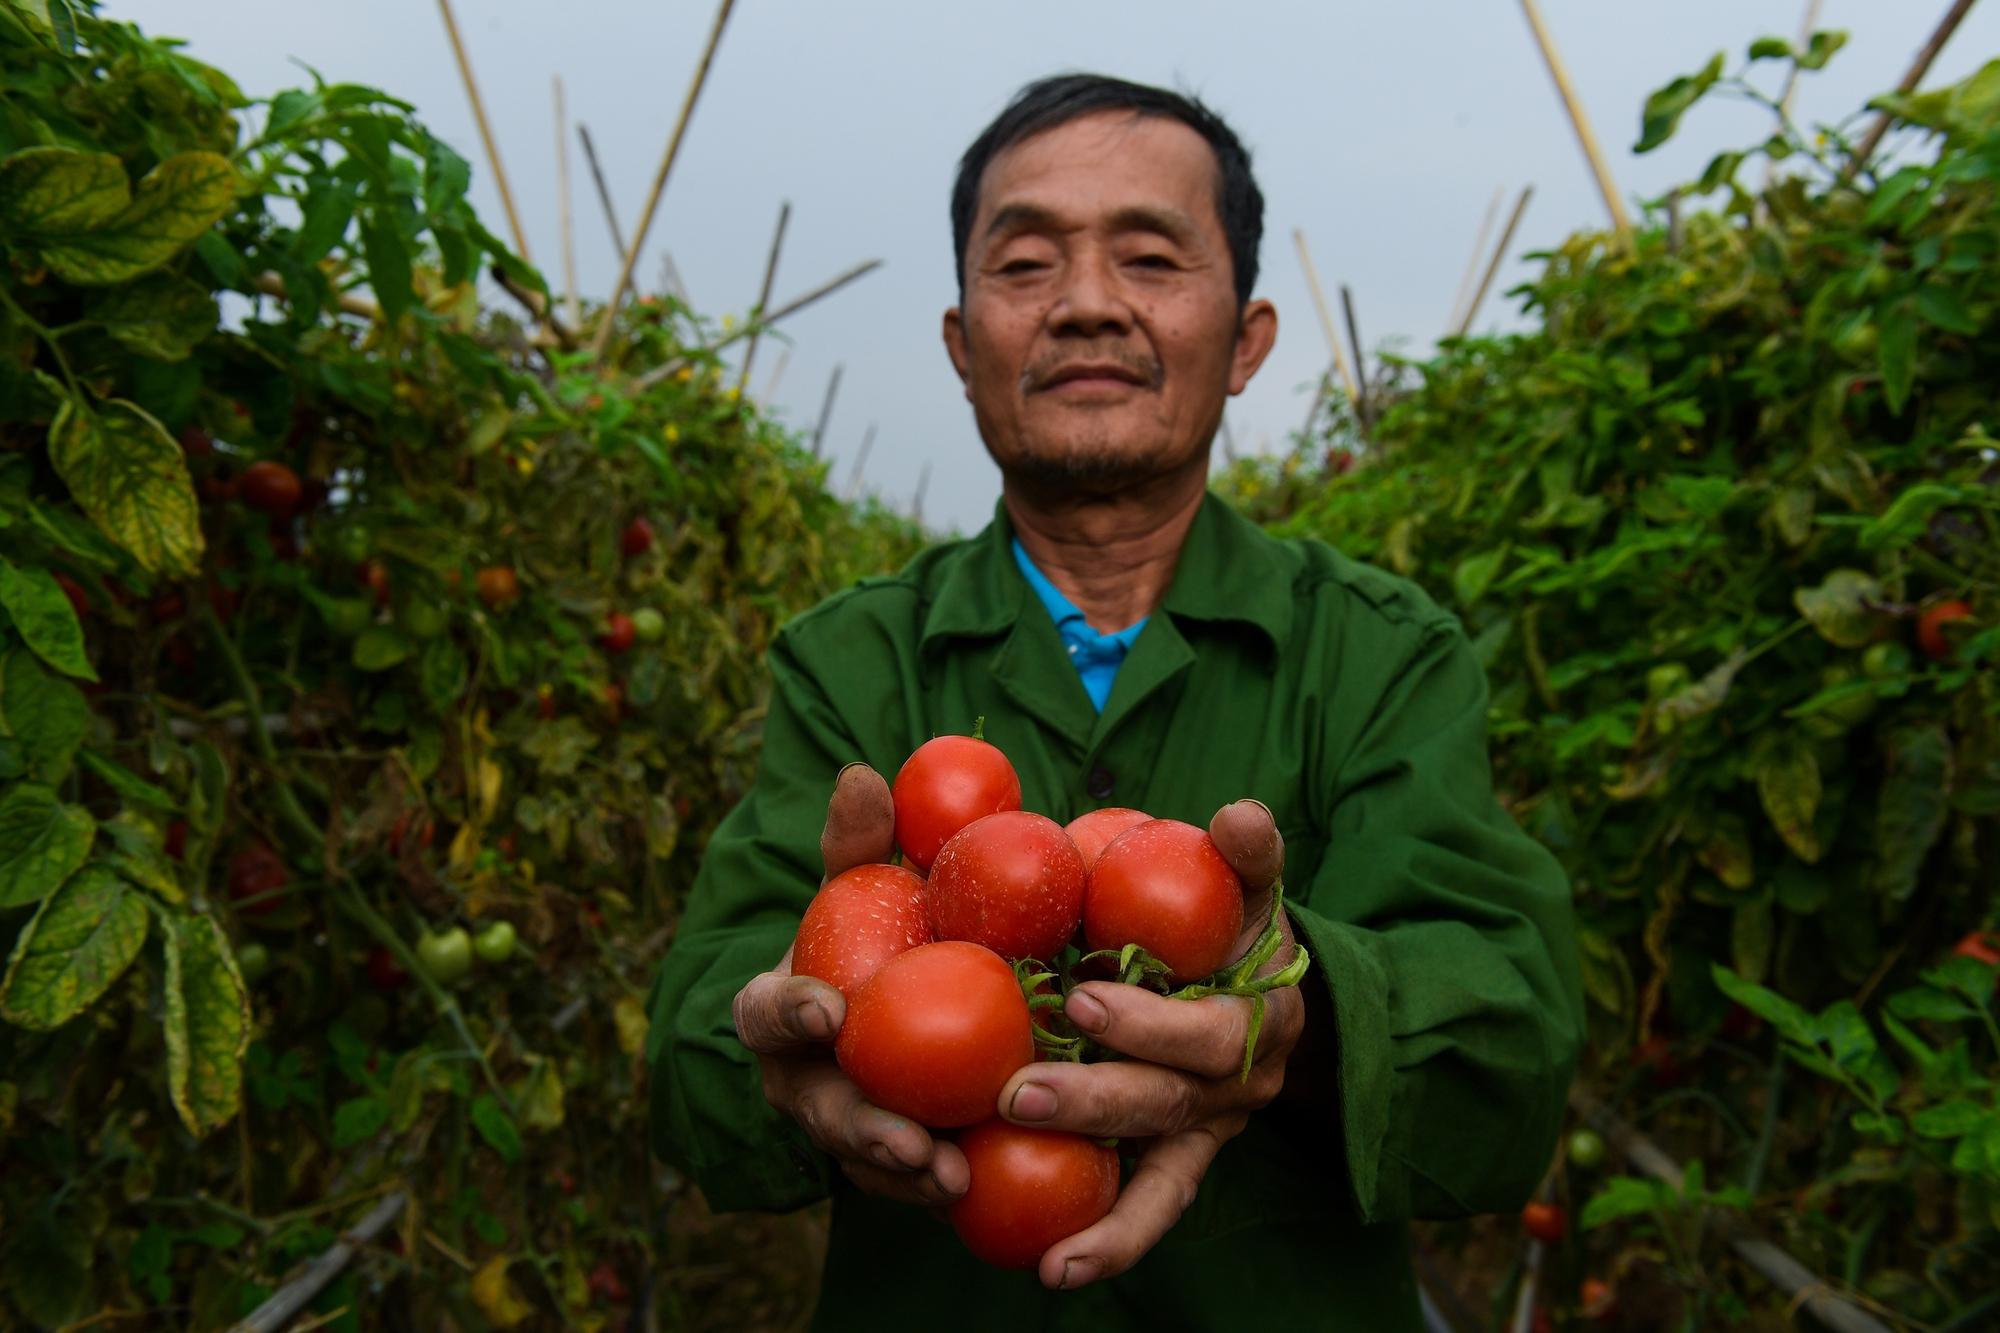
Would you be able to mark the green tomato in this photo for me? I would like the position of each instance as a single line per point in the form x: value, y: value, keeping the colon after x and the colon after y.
x: 648, y: 625
x: 347, y: 616
x: 253, y: 960
x: 446, y: 957
x: 1885, y: 660
x: 1586, y: 1149
x: 352, y: 543
x: 495, y: 944
x: 421, y: 618
x: 1665, y: 680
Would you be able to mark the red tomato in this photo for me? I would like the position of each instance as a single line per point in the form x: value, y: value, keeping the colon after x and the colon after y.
x: 376, y: 575
x: 384, y: 972
x: 1930, y: 627
x: 1596, y: 1299
x: 1012, y: 881
x: 1093, y: 832
x: 1165, y: 887
x: 619, y: 633
x: 545, y: 701
x: 414, y: 830
x: 1545, y: 1222
x: 256, y: 874
x: 271, y: 487
x: 949, y: 782
x: 936, y: 1033
x: 498, y: 587
x: 79, y: 601
x: 1030, y: 1188
x: 637, y: 538
x: 860, y: 920
x: 197, y: 443
x: 1980, y: 947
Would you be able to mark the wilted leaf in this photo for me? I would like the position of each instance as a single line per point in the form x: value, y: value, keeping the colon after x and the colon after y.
x: 81, y: 940
x: 42, y: 843
x: 57, y: 191
x: 1792, y: 514
x: 539, y: 1095
x: 44, y: 618
x: 132, y: 479
x: 1788, y: 783
x: 629, y: 1016
x: 559, y: 746
x: 1726, y: 852
x: 1912, y: 809
x: 136, y: 856
x: 1705, y: 695
x: 207, y: 1024
x: 494, y: 1293
x: 1839, y: 608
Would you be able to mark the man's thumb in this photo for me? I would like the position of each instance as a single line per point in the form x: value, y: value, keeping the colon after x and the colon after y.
x: 860, y: 821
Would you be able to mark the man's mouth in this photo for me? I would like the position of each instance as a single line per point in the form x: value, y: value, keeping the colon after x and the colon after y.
x: 1092, y: 375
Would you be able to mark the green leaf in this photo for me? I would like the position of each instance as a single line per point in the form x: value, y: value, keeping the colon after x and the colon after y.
x: 444, y: 668
x: 1904, y: 521
x: 77, y: 212
x: 446, y: 178
x: 138, y: 857
x: 1911, y: 814
x: 388, y: 264
x: 130, y: 476
x: 378, y: 648
x: 1770, y: 48
x: 42, y: 843
x: 1791, y: 514
x: 1840, y: 607
x: 81, y: 940
x: 1847, y: 1034
x: 1726, y: 852
x: 125, y: 782
x: 47, y: 1268
x: 359, y: 1119
x: 162, y: 316
x: 57, y: 191
x: 1897, y: 350
x: 45, y: 713
x: 559, y: 746
x: 1788, y: 784
x: 207, y: 1024
x: 1665, y: 107
x: 1822, y: 47
x: 1750, y: 939
x: 1949, y: 1120
x: 44, y: 618
x: 496, y: 1127
x: 1475, y: 574
x: 1793, y: 1023
x: 1627, y: 1196
x: 1931, y: 1004
x: 1945, y: 308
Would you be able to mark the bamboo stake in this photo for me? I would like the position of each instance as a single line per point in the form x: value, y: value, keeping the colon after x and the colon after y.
x: 777, y: 373
x: 609, y: 322
x: 671, y: 273
x: 603, y: 190
x: 1920, y: 67
x: 825, y: 289
x: 826, y: 411
x: 923, y: 484
x: 485, y: 130
x: 764, y: 292
x: 570, y: 305
x: 860, y: 459
x: 1362, y: 407
x: 1499, y: 255
x: 1325, y: 315
x: 289, y: 1299
x: 1472, y: 260
x: 1785, y: 99
x: 1791, y: 1277
x: 1578, y: 119
x: 1228, y: 441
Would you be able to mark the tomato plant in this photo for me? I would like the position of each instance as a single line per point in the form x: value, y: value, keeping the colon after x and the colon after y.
x: 948, y: 782
x: 1163, y: 886
x: 1546, y: 1222
x: 495, y: 943
x: 1030, y: 1188
x: 1012, y: 881
x: 859, y: 920
x: 446, y: 955
x: 936, y: 1033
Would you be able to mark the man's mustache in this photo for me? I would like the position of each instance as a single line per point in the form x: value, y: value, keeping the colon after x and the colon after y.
x: 1145, y: 370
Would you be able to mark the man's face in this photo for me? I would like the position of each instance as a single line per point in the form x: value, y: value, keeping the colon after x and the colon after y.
x: 1100, y: 334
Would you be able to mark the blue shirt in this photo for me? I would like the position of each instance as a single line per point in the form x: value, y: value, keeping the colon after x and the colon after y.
x: 1095, y: 656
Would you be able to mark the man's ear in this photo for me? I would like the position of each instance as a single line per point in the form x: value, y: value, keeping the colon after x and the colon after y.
x: 955, y: 348
x: 1256, y: 334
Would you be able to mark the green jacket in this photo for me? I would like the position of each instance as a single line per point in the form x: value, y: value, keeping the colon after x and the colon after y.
x: 1348, y: 703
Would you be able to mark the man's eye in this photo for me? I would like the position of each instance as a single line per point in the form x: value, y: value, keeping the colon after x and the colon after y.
x: 1153, y: 261
x: 1022, y: 266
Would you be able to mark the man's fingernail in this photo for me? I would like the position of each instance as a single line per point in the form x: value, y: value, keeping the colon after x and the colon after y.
x: 813, y: 1019
x: 1076, y: 1272
x: 1252, y: 800
x: 936, y: 1187
x: 1032, y: 1101
x: 1087, y: 1011
x: 845, y: 769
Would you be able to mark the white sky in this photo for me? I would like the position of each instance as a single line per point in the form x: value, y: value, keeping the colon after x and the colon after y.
x: 1381, y: 129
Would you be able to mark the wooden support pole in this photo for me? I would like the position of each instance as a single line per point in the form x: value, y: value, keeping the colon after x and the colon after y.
x: 1806, y: 26
x: 917, y: 504
x: 570, y: 306
x: 777, y: 373
x: 1499, y: 256
x: 1363, y: 408
x: 860, y: 461
x: 1472, y: 260
x: 603, y: 190
x: 670, y: 273
x: 1325, y: 316
x: 485, y: 130
x: 792, y: 307
x: 646, y: 214
x: 294, y: 1296
x: 1578, y: 119
x: 1911, y: 79
x: 826, y: 411
x: 764, y: 293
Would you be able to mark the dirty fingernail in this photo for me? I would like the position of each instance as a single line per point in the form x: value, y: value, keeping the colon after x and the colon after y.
x: 1076, y: 1272
x: 1032, y: 1101
x: 1087, y: 1012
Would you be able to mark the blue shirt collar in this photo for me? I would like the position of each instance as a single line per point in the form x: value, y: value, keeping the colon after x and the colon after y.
x: 1095, y: 655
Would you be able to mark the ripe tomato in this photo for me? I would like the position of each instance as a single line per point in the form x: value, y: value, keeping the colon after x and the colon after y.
x: 1595, y: 1299
x: 1980, y: 947
x: 637, y: 538
x: 1545, y: 1222
x: 1030, y: 1188
x: 860, y: 920
x: 1093, y: 832
x: 619, y: 633
x: 256, y: 874
x: 376, y: 575
x: 1930, y: 627
x: 1164, y: 887
x: 271, y: 487
x: 498, y: 587
x: 936, y: 1033
x: 384, y: 972
x: 946, y: 784
x: 79, y: 601
x: 1012, y: 881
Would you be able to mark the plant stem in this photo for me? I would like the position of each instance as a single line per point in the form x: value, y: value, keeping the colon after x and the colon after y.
x: 289, y: 809
x: 48, y: 338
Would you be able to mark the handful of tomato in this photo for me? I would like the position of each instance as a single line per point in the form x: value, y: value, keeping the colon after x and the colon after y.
x: 955, y: 965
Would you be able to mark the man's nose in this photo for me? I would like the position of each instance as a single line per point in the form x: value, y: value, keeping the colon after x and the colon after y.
x: 1091, y: 303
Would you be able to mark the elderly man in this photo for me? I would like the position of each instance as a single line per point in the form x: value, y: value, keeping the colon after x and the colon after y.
x: 1131, y: 641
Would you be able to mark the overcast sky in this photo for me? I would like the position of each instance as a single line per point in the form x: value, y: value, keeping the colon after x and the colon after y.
x: 1382, y: 130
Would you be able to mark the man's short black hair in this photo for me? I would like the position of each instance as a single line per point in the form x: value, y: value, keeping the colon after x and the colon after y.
x: 1047, y: 103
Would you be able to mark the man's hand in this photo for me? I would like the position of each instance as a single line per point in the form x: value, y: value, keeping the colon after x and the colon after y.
x: 790, y: 1022
x: 1183, y: 1088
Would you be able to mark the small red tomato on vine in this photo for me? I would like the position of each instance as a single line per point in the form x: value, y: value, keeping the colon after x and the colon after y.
x: 1980, y: 947
x: 414, y: 831
x: 1595, y: 1299
x: 1546, y: 1222
x: 498, y: 587
x: 1931, y: 636
x: 375, y: 575
x: 637, y: 538
x: 385, y: 973
x: 619, y: 633
x: 256, y: 876
x: 271, y: 487
x: 606, y: 1285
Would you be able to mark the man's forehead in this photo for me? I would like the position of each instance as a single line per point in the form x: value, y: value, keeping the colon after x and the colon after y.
x: 1124, y: 162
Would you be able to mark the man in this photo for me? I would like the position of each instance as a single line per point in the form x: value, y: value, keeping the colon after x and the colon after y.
x: 1130, y: 641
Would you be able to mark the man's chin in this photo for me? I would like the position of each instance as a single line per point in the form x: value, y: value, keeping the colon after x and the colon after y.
x: 1092, y: 470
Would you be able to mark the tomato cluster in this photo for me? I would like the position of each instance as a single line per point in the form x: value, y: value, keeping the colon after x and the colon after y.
x: 950, y: 963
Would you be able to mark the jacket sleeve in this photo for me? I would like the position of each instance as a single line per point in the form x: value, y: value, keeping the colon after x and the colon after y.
x: 762, y: 867
x: 1444, y: 935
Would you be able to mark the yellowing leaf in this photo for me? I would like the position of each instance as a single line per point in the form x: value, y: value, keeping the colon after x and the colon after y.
x: 77, y: 212
x: 630, y: 1018
x: 162, y: 316
x: 1840, y: 607
x: 80, y: 941
x: 490, y: 777
x: 42, y: 843
x: 538, y: 1099
x: 496, y: 1296
x: 55, y: 191
x: 464, y: 849
x: 1788, y: 783
x: 132, y: 479
x: 207, y: 1024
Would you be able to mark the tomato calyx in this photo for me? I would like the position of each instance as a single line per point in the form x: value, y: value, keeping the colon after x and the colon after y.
x: 1242, y: 979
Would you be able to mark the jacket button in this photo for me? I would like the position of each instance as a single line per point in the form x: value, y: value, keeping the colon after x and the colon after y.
x: 1099, y: 783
